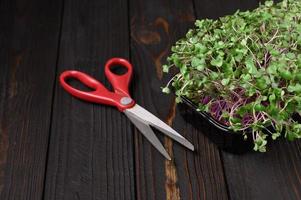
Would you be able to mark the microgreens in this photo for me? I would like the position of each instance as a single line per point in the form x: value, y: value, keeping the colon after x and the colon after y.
x: 245, y: 70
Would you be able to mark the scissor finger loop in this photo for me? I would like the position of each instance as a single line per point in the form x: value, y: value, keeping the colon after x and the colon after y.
x: 121, y: 82
x: 82, y: 77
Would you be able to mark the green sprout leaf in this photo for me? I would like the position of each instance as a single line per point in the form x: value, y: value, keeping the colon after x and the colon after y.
x: 217, y: 62
x: 225, y: 81
x: 260, y: 143
x: 165, y: 68
x: 287, y: 75
x: 251, y: 66
x: 269, y: 3
x: 294, y: 88
x: 199, y: 64
x: 166, y: 90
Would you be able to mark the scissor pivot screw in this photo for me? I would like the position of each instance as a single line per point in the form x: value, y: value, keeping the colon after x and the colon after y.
x: 125, y: 100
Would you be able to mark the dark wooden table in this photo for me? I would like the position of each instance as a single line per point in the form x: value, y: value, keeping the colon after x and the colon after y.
x: 53, y: 146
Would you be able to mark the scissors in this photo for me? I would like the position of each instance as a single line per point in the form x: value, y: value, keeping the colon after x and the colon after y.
x: 121, y: 99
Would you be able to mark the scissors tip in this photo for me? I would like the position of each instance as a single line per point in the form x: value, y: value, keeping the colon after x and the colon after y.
x: 166, y: 155
x: 188, y: 145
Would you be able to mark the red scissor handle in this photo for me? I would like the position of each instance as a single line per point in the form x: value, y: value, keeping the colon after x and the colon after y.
x: 119, y: 98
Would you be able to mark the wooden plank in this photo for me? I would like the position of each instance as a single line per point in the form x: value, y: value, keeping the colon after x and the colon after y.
x: 213, y: 9
x: 155, y: 26
x: 271, y: 175
x: 29, y: 40
x: 91, y: 146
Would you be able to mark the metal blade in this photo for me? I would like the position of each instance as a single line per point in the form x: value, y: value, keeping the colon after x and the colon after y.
x: 141, y: 114
x: 149, y: 134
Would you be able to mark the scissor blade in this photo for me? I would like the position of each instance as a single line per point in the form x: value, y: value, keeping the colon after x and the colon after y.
x: 149, y: 134
x: 143, y: 115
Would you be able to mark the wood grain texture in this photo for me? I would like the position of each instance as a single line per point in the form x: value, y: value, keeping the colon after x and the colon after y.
x: 91, y: 148
x: 155, y: 26
x: 94, y: 151
x: 213, y: 9
x: 29, y: 40
x: 271, y: 175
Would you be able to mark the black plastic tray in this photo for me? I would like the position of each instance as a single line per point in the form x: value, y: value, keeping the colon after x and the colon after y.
x: 218, y: 133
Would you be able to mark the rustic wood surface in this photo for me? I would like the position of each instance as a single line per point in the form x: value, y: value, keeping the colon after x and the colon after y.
x: 29, y: 35
x: 53, y: 146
